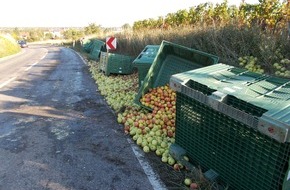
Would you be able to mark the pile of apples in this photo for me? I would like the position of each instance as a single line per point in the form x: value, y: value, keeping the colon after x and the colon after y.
x: 153, y: 129
x: 118, y: 90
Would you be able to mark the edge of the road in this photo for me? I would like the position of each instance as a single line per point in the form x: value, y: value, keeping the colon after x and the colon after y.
x: 153, y: 177
x: 10, y: 56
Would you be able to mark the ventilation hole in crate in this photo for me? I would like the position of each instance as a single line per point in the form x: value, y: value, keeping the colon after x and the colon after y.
x: 199, y: 87
x: 245, y: 106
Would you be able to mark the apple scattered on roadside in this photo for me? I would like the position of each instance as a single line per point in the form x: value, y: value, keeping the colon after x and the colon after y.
x: 164, y: 159
x: 193, y: 186
x: 176, y: 167
x: 187, y: 181
x: 171, y: 160
x: 186, y: 158
x: 146, y: 149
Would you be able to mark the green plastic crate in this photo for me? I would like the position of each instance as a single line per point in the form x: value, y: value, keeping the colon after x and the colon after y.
x: 88, y: 46
x: 236, y: 123
x: 172, y: 58
x: 111, y: 63
x: 96, y: 47
x: 144, y: 61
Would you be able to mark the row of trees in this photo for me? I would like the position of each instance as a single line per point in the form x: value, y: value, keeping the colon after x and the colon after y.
x: 39, y: 34
x: 269, y: 14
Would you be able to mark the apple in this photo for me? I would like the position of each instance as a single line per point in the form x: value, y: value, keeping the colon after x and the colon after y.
x: 119, y: 119
x: 139, y: 141
x: 152, y: 147
x: 180, y: 166
x: 136, y: 124
x: 176, y: 167
x: 138, y: 131
x: 186, y: 158
x: 164, y: 159
x: 165, y: 154
x: 171, y: 160
x: 132, y: 132
x: 144, y: 143
x: 193, y: 186
x: 158, y: 133
x: 146, y: 149
x: 187, y: 181
x: 135, y: 137
x: 150, y: 139
x: 154, y: 142
x: 164, y: 144
x: 158, y: 152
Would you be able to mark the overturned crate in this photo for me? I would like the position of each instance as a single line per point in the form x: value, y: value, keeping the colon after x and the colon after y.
x: 111, y: 63
x: 87, y: 45
x: 96, y: 48
x: 144, y: 61
x: 235, y: 124
x: 171, y: 59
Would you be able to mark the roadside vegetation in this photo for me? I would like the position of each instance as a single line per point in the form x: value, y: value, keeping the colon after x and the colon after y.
x: 256, y: 37
x: 8, y: 46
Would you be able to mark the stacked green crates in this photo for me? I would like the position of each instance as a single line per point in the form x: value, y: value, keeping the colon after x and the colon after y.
x: 144, y: 61
x: 172, y: 58
x: 236, y: 123
x: 111, y: 63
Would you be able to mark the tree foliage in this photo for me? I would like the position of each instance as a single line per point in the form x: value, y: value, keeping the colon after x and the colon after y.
x: 35, y: 35
x: 73, y: 34
x: 270, y: 15
x: 92, y: 29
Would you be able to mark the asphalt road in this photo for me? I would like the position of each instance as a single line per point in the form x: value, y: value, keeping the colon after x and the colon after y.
x: 57, y: 132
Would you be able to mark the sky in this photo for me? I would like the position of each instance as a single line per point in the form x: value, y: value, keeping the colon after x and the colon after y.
x: 81, y: 13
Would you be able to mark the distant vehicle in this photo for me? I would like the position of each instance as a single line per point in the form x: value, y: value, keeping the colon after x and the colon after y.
x: 23, y: 43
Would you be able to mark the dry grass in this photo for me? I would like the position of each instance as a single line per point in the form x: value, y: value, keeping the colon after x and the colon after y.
x: 229, y: 42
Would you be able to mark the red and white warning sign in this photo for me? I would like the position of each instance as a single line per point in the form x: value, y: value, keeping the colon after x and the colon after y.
x: 111, y: 43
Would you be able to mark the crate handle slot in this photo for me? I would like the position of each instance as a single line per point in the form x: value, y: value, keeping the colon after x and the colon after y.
x: 218, y: 104
x: 199, y: 87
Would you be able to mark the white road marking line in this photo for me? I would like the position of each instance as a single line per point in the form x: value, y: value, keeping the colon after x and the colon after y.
x: 7, y: 82
x: 154, y: 179
x: 28, y: 68
x: 31, y: 66
x: 43, y: 56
